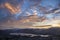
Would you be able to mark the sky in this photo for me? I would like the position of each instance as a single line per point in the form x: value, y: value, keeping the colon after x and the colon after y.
x: 13, y: 9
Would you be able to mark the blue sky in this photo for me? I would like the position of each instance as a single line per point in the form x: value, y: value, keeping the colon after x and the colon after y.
x: 25, y: 7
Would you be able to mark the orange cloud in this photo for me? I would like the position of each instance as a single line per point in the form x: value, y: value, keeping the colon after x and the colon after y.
x: 11, y: 8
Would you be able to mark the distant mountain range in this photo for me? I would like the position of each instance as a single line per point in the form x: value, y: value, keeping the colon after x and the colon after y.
x: 51, y: 31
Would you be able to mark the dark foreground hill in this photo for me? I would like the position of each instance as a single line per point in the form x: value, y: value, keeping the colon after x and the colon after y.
x: 30, y: 34
x: 50, y: 31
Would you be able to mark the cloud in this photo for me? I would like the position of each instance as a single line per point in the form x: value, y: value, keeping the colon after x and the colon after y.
x: 8, y: 8
x: 11, y: 10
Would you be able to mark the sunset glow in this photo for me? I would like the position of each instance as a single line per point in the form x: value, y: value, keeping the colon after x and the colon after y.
x: 30, y: 14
